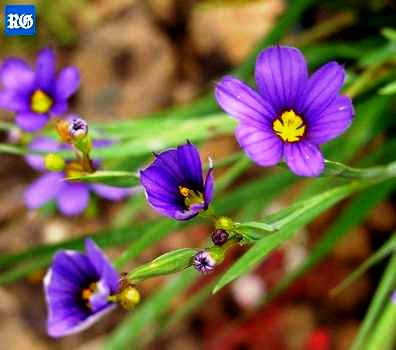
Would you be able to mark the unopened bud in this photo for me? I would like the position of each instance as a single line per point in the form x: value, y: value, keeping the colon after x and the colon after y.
x: 206, y: 260
x: 54, y: 162
x: 224, y: 223
x: 219, y: 237
x: 78, y: 128
x: 128, y: 297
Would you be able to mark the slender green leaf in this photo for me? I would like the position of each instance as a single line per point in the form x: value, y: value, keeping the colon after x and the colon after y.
x: 301, y: 214
x: 381, y: 297
x: 379, y: 255
x: 109, y: 177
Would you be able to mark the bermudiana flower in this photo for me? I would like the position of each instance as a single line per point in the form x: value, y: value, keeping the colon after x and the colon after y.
x: 394, y: 297
x: 71, y: 197
x: 77, y: 289
x: 292, y: 114
x: 174, y: 183
x: 35, y: 94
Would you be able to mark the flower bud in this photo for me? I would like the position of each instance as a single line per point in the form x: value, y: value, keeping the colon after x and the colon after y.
x: 78, y: 128
x: 224, y: 223
x: 219, y: 237
x: 54, y: 162
x: 206, y: 260
x: 128, y: 297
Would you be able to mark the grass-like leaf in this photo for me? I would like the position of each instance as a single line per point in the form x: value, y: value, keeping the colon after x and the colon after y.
x: 109, y: 177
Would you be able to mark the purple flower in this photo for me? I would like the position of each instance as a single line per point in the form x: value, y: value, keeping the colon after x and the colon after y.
x: 204, y: 262
x: 77, y: 287
x: 35, y: 94
x: 394, y: 297
x: 71, y: 197
x: 291, y: 114
x: 174, y: 183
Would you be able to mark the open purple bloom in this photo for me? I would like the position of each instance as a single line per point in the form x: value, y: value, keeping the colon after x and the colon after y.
x: 71, y: 197
x: 174, y: 183
x: 35, y: 94
x: 77, y: 287
x: 291, y: 114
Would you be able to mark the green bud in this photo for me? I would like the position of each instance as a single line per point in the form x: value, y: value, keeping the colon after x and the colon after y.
x: 165, y: 264
x: 224, y: 223
x: 54, y: 162
x: 128, y: 297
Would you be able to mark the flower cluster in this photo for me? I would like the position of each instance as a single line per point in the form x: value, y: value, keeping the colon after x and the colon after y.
x: 287, y: 119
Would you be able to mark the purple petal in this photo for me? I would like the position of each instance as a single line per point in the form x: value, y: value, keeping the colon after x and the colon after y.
x: 261, y: 145
x: 191, y: 165
x: 45, y: 69
x: 72, y: 198
x: 281, y: 73
x: 169, y: 161
x: 59, y: 107
x: 332, y: 122
x: 304, y: 158
x: 30, y: 121
x: 43, y: 190
x: 208, y: 191
x: 161, y: 190
x: 67, y: 83
x: 321, y: 89
x: 76, y: 323
x: 242, y: 102
x: 158, y: 181
x: 13, y: 101
x: 74, y: 267
x: 102, y: 265
x: 110, y: 192
x: 15, y: 74
x: 43, y: 144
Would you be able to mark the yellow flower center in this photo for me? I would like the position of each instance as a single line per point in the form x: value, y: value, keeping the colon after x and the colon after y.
x: 289, y: 127
x: 87, y: 293
x: 40, y: 102
x: 191, y: 197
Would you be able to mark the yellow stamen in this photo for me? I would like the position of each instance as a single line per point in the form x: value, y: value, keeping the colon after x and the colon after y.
x: 40, y: 102
x: 87, y: 293
x: 190, y: 196
x: 289, y: 127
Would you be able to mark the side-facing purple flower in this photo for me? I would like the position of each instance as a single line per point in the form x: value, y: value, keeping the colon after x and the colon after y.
x: 71, y: 197
x: 174, y: 183
x: 36, y: 94
x: 77, y: 288
x: 291, y: 114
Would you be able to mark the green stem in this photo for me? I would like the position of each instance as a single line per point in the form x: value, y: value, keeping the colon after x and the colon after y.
x: 345, y: 171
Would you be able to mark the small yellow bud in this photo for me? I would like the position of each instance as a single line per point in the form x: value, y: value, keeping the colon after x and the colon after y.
x: 128, y: 297
x: 224, y: 223
x: 53, y: 162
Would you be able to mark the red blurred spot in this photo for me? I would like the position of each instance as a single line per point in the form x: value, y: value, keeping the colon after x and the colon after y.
x: 319, y: 340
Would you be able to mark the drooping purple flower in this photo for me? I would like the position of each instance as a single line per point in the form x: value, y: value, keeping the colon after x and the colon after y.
x: 77, y: 287
x: 174, y: 183
x: 71, y: 197
x: 204, y: 262
x: 35, y: 94
x: 291, y: 114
